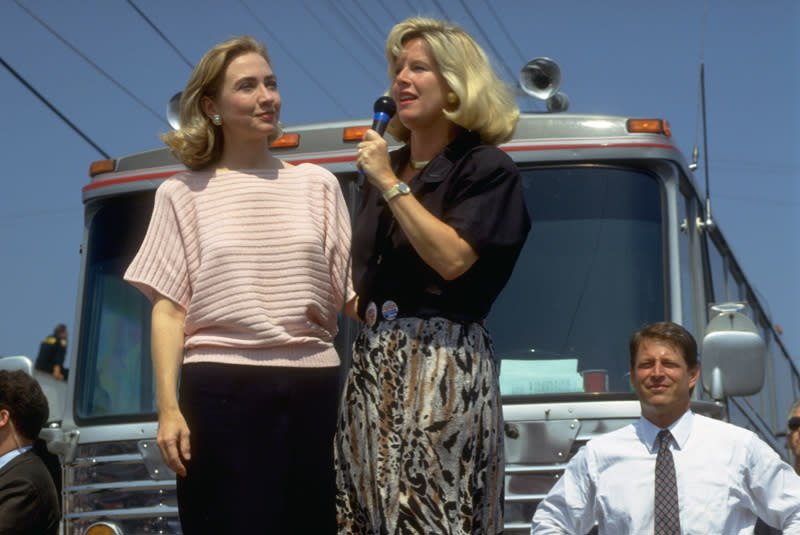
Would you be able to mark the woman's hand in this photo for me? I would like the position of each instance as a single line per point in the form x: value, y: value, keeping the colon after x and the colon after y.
x: 166, y: 347
x: 373, y: 159
x: 437, y: 243
x: 173, y: 440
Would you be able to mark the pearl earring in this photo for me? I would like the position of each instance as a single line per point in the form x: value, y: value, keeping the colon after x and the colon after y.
x: 216, y: 119
x: 452, y: 98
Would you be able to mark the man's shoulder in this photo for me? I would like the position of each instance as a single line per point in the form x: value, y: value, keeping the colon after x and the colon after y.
x: 739, y: 443
x: 713, y: 428
x: 28, y: 497
x: 27, y: 467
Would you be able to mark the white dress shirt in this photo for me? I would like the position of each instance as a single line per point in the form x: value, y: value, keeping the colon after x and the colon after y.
x: 727, y: 477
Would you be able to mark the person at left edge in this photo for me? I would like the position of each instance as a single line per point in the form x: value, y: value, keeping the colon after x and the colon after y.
x: 28, y: 499
x: 246, y: 263
x: 52, y: 352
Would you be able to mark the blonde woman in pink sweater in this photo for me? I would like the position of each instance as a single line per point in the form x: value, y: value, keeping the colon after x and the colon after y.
x: 246, y: 264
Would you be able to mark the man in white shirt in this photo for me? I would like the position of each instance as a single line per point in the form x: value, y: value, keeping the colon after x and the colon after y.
x: 793, y: 433
x: 726, y: 476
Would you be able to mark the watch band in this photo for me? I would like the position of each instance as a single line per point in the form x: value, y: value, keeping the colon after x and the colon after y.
x: 401, y: 188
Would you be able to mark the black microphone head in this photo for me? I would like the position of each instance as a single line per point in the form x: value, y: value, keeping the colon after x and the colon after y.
x: 385, y: 105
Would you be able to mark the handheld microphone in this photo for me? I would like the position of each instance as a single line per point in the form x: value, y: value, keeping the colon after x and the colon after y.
x: 384, y: 109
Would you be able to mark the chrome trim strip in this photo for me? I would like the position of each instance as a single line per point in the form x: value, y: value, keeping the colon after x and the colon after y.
x: 122, y: 485
x: 534, y: 468
x: 124, y: 458
x: 125, y: 513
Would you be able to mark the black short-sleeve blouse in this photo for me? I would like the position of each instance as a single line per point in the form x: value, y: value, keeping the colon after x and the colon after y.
x: 474, y: 188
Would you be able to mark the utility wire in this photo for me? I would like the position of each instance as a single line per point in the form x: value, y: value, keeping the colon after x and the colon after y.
x: 414, y: 9
x: 502, y: 25
x: 325, y: 90
x: 511, y: 75
x: 386, y: 9
x: 61, y: 116
x: 161, y: 34
x: 93, y: 64
x: 333, y: 36
x: 373, y: 50
x: 441, y: 10
x: 375, y: 35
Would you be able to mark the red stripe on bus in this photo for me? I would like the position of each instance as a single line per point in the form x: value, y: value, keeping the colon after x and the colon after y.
x: 342, y: 159
x: 132, y: 178
x: 590, y: 146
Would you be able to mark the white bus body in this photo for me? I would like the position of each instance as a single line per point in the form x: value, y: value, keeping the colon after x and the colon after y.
x: 617, y: 241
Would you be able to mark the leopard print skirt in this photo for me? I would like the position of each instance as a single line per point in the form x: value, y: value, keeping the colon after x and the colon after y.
x: 419, y: 443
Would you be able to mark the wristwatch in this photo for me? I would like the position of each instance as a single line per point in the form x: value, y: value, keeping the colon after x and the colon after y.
x: 401, y: 188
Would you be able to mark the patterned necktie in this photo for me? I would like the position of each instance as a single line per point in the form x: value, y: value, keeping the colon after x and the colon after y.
x: 667, y: 521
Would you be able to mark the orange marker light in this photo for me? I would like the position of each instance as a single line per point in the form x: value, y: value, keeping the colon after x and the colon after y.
x: 101, y: 166
x: 286, y: 141
x: 649, y: 126
x: 354, y: 133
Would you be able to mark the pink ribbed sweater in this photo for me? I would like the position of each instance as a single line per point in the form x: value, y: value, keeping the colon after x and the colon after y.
x: 259, y: 260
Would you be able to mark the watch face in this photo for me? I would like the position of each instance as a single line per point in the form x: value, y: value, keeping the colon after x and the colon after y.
x: 401, y: 188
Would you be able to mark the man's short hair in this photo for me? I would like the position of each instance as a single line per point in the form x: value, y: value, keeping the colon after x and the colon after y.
x: 669, y: 333
x: 23, y: 398
x: 792, y: 410
x: 60, y: 328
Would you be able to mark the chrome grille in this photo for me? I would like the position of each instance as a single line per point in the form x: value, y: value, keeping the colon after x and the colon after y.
x: 540, y: 440
x: 116, y: 483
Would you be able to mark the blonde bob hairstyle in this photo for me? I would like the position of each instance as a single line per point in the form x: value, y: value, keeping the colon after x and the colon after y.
x: 198, y: 143
x: 485, y: 104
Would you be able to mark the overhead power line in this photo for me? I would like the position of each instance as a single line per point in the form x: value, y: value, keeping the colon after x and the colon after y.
x: 386, y: 9
x: 412, y: 8
x: 47, y: 103
x: 374, y: 52
x: 325, y: 90
x: 370, y: 32
x: 441, y: 10
x: 502, y: 25
x: 326, y: 27
x: 161, y: 34
x: 93, y: 64
x: 511, y: 76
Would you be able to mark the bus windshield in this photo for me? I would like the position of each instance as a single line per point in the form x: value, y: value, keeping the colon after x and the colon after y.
x: 115, y: 373
x: 591, y: 273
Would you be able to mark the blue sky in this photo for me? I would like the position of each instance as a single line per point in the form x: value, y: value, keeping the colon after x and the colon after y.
x: 623, y: 57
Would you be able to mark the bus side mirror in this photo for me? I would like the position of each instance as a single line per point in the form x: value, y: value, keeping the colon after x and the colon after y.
x: 732, y: 354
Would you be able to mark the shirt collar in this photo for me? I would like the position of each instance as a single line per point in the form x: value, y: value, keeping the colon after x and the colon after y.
x: 440, y: 165
x: 680, y: 430
x: 8, y: 457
